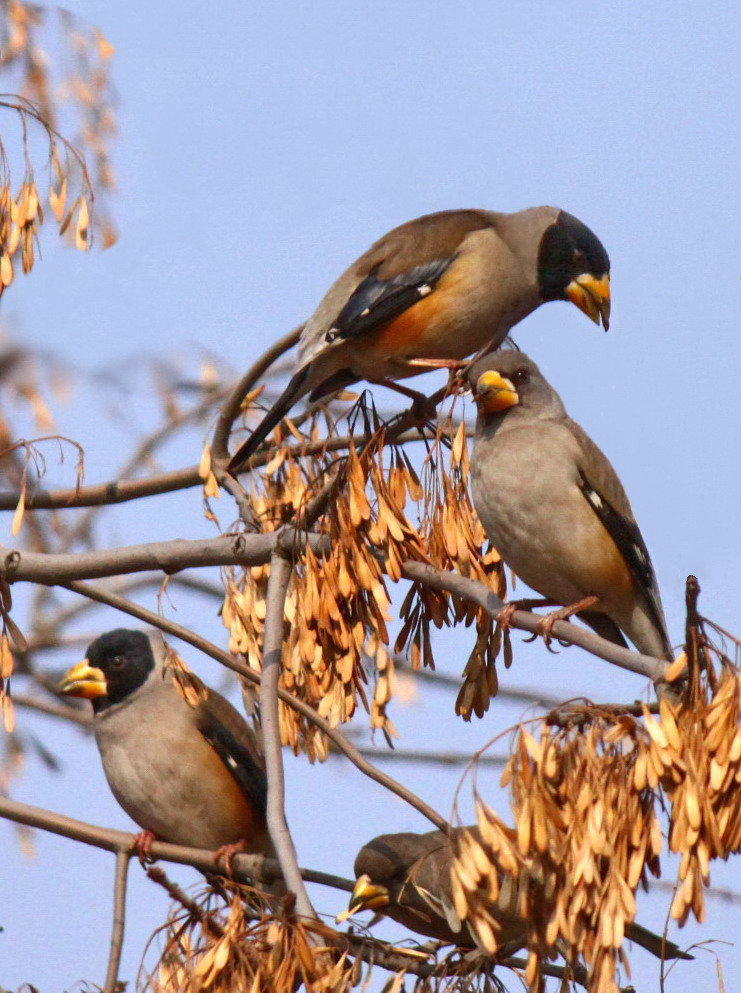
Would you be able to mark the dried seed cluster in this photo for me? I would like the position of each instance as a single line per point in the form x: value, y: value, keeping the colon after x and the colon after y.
x: 89, y: 92
x: 337, y: 609
x: 584, y: 839
x: 694, y: 755
x: 587, y: 793
x: 243, y: 947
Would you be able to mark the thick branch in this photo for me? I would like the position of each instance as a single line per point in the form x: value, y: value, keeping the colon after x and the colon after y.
x: 168, y: 556
x: 280, y: 576
x: 525, y: 620
x: 339, y: 739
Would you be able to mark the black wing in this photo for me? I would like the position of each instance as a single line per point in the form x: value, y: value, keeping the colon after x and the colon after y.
x: 629, y: 540
x: 230, y: 737
x: 377, y: 301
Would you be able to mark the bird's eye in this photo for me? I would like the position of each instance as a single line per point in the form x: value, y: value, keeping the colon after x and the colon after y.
x: 520, y: 376
x: 580, y: 256
x: 117, y: 662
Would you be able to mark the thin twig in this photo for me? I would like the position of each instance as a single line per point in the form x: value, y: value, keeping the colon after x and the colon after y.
x: 122, y: 490
x: 449, y: 681
x: 232, y: 407
x: 424, y: 757
x: 119, y: 920
x: 280, y: 576
x: 300, y: 706
x: 77, y: 715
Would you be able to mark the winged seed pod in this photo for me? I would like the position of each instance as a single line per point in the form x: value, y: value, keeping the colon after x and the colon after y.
x: 338, y: 602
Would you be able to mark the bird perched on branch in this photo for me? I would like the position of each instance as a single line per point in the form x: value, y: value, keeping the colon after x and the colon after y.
x: 178, y: 757
x: 555, y: 510
x: 435, y: 290
x: 406, y: 876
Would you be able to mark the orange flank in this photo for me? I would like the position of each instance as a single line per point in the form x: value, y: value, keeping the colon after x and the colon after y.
x: 609, y: 576
x: 237, y: 816
x: 424, y: 329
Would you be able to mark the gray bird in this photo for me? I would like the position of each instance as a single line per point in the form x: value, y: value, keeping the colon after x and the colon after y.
x: 188, y: 772
x: 554, y: 508
x: 406, y: 876
x: 435, y: 290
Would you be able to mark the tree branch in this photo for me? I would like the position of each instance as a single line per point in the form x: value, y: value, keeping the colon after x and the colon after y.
x: 168, y: 556
x: 280, y: 576
x: 75, y: 714
x: 102, y: 494
x: 426, y: 757
x: 232, y: 407
x: 122, y: 490
x: 450, y: 681
x: 525, y: 620
x: 119, y: 921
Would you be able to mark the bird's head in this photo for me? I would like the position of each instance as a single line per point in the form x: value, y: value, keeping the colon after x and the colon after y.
x: 573, y: 265
x: 116, y: 664
x: 365, y: 896
x: 508, y: 378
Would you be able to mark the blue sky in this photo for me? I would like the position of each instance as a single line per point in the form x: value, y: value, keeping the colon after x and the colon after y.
x: 262, y: 148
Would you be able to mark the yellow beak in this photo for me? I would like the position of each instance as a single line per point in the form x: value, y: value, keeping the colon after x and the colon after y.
x: 591, y: 296
x: 495, y: 393
x: 365, y: 896
x: 83, y: 680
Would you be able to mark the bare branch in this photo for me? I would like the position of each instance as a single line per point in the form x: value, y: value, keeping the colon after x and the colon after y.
x: 119, y: 921
x: 18, y: 565
x: 232, y: 407
x: 103, y: 494
x: 525, y: 620
x: 425, y: 757
x: 75, y: 714
x: 280, y: 576
x: 449, y: 681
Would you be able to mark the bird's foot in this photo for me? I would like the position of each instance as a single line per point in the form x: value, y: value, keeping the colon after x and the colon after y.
x: 141, y: 846
x: 227, y: 853
x: 504, y: 617
x: 545, y: 626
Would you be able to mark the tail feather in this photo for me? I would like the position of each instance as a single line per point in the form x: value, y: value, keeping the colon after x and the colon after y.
x: 294, y: 391
x: 654, y: 943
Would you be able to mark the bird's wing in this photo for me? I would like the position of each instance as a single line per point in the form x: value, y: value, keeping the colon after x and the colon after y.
x: 604, y: 493
x: 233, y: 741
x: 377, y: 301
x: 395, y: 273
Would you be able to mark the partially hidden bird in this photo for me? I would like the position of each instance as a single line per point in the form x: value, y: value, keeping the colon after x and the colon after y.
x: 406, y: 876
x: 553, y: 506
x: 435, y: 290
x: 184, y: 765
